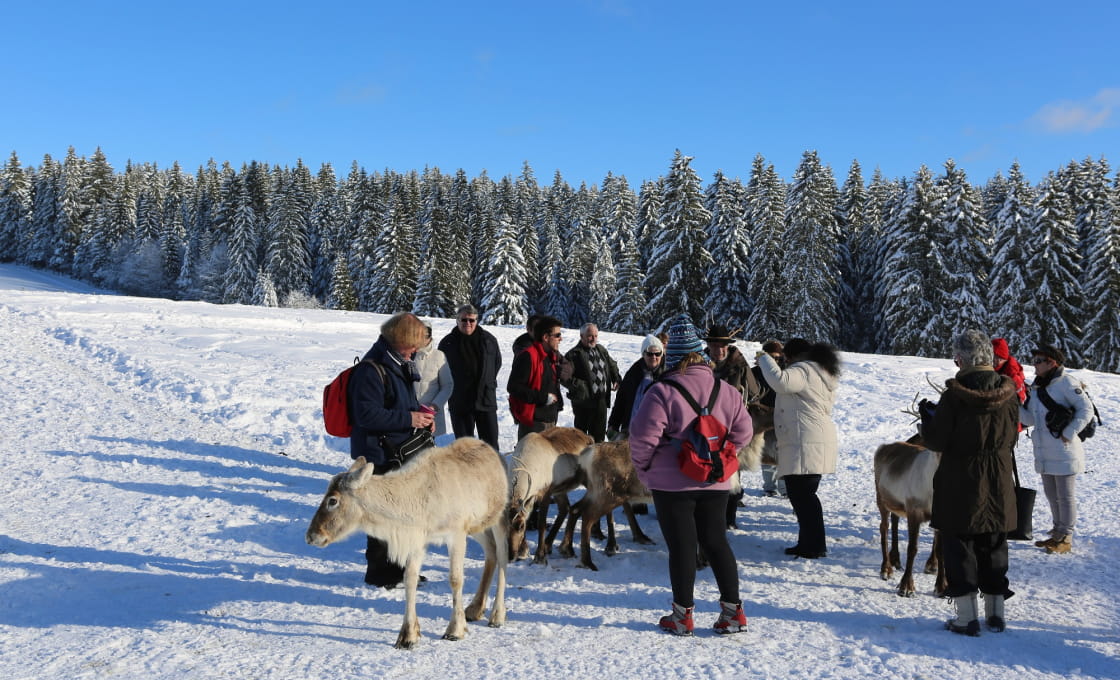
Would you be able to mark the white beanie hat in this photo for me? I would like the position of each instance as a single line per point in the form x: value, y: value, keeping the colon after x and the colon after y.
x: 652, y: 342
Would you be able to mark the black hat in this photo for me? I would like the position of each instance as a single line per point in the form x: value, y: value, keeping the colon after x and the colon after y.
x: 1051, y: 352
x: 719, y: 333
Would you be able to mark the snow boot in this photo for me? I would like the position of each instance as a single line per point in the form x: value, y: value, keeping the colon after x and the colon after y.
x: 966, y: 622
x: 1048, y: 541
x: 679, y: 622
x: 993, y: 613
x: 731, y: 618
x: 1062, y: 545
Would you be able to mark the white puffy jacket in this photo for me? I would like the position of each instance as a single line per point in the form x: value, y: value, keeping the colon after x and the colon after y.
x: 1052, y: 456
x: 804, y: 396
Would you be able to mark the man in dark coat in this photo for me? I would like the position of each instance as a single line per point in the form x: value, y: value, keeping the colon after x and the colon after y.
x: 474, y: 358
x: 534, y: 384
x: 594, y: 376
x: 975, y: 427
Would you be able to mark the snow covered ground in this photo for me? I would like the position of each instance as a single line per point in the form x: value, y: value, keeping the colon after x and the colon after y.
x: 161, y: 461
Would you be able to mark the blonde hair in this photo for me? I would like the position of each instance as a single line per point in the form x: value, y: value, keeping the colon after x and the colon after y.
x: 691, y: 359
x: 404, y: 330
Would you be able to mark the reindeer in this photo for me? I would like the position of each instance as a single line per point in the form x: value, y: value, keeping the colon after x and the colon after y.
x: 544, y: 466
x: 441, y: 495
x: 904, y: 488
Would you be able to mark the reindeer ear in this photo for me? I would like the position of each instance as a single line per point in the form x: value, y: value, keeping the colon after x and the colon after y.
x: 358, y: 474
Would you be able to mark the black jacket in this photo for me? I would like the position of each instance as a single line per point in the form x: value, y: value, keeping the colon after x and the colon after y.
x: 467, y: 394
x: 975, y: 428
x: 380, y: 407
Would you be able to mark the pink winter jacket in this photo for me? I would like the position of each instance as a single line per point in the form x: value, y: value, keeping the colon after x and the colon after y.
x: 663, y: 416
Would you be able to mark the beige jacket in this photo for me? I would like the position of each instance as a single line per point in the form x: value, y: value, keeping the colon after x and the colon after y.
x: 805, y: 394
x: 435, y: 383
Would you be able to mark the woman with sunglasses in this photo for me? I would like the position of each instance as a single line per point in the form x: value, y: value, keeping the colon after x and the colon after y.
x: 1058, y: 456
x: 640, y: 376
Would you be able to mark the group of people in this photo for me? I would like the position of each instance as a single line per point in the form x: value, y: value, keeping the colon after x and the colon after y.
x: 975, y: 427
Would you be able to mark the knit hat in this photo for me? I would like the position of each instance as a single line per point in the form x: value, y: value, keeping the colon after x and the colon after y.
x: 1000, y: 349
x: 683, y: 340
x: 973, y: 348
x: 652, y: 342
x: 1052, y: 352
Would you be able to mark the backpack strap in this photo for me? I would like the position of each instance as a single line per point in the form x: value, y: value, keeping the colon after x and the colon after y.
x: 1047, y: 400
x: 380, y: 372
x: 692, y: 402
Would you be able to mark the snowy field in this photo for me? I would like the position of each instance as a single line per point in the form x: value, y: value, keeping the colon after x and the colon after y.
x: 161, y: 461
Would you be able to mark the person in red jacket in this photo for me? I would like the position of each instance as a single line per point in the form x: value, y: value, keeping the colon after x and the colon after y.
x: 534, y: 380
x: 1005, y: 364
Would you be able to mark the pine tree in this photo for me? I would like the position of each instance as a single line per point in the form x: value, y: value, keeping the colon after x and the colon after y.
x: 679, y: 262
x: 342, y: 295
x: 1054, y: 270
x: 912, y: 271
x: 603, y: 284
x: 1009, y: 317
x: 809, y: 271
x: 857, y: 318
x: 42, y: 235
x: 628, y: 311
x: 966, y: 246
x: 15, y: 209
x: 727, y: 300
x: 288, y: 256
x: 1102, y: 290
x: 504, y: 303
x: 241, y: 275
x: 264, y: 293
x: 766, y: 226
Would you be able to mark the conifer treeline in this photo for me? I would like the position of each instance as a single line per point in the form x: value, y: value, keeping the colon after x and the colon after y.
x: 892, y: 266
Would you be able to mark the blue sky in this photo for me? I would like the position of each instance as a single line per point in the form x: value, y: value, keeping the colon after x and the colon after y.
x: 584, y: 87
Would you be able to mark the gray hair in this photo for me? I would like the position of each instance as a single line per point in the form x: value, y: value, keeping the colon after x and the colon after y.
x: 973, y: 348
x: 586, y: 327
x: 466, y: 309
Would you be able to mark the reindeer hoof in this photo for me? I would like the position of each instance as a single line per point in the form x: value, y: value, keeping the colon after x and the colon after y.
x: 588, y: 565
x: 449, y: 636
x: 494, y: 624
x: 644, y: 540
x: 611, y: 551
x: 405, y: 644
x: 540, y: 559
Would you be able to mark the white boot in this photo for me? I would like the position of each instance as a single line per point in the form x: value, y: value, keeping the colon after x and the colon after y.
x: 993, y: 613
x: 966, y: 622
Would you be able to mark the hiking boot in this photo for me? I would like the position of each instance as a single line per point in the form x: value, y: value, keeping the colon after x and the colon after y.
x: 1046, y: 542
x: 1061, y: 545
x: 679, y: 622
x: 731, y: 618
x: 966, y: 622
x: 993, y: 613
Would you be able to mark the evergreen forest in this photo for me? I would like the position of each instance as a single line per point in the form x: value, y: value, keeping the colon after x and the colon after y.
x: 880, y: 265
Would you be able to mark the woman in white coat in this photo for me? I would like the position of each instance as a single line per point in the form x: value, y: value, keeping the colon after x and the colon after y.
x: 434, y: 388
x: 806, y: 435
x: 1058, y: 456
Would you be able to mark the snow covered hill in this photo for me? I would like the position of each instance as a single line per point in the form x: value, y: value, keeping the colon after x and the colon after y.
x: 161, y: 461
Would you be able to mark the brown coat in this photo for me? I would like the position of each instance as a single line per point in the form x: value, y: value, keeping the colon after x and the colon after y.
x: 975, y: 429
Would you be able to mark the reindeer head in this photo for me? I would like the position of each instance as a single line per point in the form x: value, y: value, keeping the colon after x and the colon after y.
x: 340, y: 515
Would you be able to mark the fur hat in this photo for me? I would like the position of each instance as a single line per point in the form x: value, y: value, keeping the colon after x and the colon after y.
x: 683, y: 340
x: 1051, y: 352
x: 719, y: 333
x: 974, y: 348
x: 1000, y: 349
x: 652, y: 342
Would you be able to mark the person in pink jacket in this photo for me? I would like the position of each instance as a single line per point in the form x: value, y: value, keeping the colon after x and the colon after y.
x: 690, y: 513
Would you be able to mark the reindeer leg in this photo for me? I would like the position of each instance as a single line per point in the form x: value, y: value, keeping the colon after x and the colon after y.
x: 611, y: 548
x: 544, y: 545
x: 574, y: 514
x: 541, y: 556
x: 635, y: 531
x: 498, y: 611
x: 589, y: 516
x: 895, y: 560
x: 474, y: 610
x: 886, y: 569
x: 410, y: 629
x: 942, y: 582
x: 906, y: 586
x: 456, y: 552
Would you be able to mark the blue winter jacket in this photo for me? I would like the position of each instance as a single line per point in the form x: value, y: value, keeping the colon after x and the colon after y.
x: 380, y: 408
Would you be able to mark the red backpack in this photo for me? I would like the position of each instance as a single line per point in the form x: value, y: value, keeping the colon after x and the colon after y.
x: 336, y: 401
x: 706, y: 454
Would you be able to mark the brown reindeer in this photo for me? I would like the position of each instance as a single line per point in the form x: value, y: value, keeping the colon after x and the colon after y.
x: 904, y: 488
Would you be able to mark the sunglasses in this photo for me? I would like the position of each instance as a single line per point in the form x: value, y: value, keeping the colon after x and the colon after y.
x: 469, y: 320
x: 653, y: 354
x: 554, y: 335
x: 1039, y: 360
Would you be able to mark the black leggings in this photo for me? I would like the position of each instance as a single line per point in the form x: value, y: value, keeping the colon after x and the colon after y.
x: 802, y: 491
x: 689, y: 519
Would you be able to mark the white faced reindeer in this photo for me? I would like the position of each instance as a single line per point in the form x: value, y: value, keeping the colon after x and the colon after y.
x: 442, y: 495
x: 544, y: 466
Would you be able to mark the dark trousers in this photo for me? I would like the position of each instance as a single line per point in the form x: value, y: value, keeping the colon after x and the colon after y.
x: 537, y: 426
x: 696, y: 518
x: 592, y: 419
x: 464, y: 424
x: 975, y: 562
x: 802, y: 491
x: 380, y: 570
